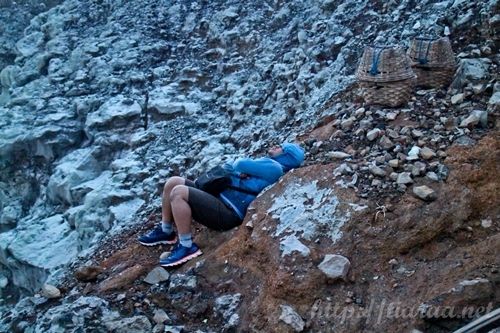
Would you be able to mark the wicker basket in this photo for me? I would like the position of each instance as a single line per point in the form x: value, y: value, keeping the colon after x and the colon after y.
x: 391, y: 94
x: 433, y: 61
x: 385, y: 76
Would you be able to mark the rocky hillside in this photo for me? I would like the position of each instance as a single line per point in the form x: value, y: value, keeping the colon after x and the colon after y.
x: 102, y: 101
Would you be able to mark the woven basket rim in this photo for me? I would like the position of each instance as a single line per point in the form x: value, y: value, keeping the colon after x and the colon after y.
x: 402, y: 70
x: 447, y: 63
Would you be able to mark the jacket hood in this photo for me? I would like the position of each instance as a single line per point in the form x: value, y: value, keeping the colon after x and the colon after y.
x: 292, y: 156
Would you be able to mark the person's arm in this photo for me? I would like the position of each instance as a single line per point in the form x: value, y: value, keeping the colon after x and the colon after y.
x: 264, y: 168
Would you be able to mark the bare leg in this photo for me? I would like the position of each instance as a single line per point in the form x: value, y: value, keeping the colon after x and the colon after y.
x: 180, y: 209
x: 166, y: 208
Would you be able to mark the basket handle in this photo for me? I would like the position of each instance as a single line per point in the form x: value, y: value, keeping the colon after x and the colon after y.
x: 423, y: 60
x: 375, y: 59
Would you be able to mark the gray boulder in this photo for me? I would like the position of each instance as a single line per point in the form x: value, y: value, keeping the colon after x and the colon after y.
x: 335, y: 266
x: 291, y: 318
x: 137, y: 324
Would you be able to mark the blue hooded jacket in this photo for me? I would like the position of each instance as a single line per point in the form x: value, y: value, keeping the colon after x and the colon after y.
x: 261, y: 173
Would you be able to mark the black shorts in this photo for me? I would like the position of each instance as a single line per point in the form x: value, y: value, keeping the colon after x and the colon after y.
x: 210, y: 210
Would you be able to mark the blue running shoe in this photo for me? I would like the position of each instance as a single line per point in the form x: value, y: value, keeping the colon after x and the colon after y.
x: 180, y: 254
x: 157, y: 236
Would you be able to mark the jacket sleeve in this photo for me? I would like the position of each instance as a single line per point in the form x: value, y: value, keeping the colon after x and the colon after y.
x: 264, y: 168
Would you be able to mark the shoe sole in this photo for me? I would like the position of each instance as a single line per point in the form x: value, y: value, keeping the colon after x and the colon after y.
x: 160, y: 242
x: 183, y: 260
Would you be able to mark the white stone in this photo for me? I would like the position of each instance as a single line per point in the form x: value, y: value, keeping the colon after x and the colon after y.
x: 292, y: 244
x: 47, y: 243
x: 486, y: 223
x: 160, y: 316
x: 404, y: 178
x: 394, y: 163
x: 373, y: 134
x: 116, y: 112
x: 347, y: 124
x: 432, y: 176
x: 3, y: 282
x: 335, y: 266
x: 157, y: 275
x: 424, y: 192
x: 494, y: 102
x: 377, y: 171
x: 227, y: 306
x: 456, y: 99
x: 292, y: 318
x: 474, y: 118
x: 49, y: 291
x: 427, y: 153
x: 413, y: 154
x: 338, y: 155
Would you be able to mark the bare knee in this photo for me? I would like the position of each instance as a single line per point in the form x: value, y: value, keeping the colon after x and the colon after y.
x: 173, y: 182
x: 179, y: 192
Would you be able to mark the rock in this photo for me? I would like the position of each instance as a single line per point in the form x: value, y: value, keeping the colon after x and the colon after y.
x: 474, y: 290
x: 377, y: 171
x: 391, y: 116
x: 182, y: 282
x: 62, y: 317
x: 394, y: 163
x: 471, y: 71
x: 386, y: 143
x: 373, y: 134
x: 160, y: 316
x: 292, y: 318
x: 494, y: 102
x: 359, y: 112
x: 465, y: 140
x: 227, y: 306
x: 115, y: 113
x: 443, y: 171
x: 3, y: 282
x: 425, y: 193
x: 49, y: 291
x: 413, y: 154
x: 249, y: 225
x: 404, y: 178
x: 173, y: 329
x: 10, y: 214
x: 157, y: 275
x: 417, y: 133
x: 483, y: 117
x: 47, y: 244
x: 457, y: 99
x: 432, y: 176
x: 347, y: 124
x: 164, y: 255
x: 486, y: 223
x: 137, y: 324
x: 88, y: 273
x: 122, y: 279
x: 292, y: 244
x: 335, y: 266
x: 343, y: 169
x: 338, y: 155
x: 427, y: 153
x: 476, y: 117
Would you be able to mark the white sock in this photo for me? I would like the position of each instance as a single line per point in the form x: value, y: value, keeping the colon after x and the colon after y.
x: 167, y: 227
x: 186, y: 240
